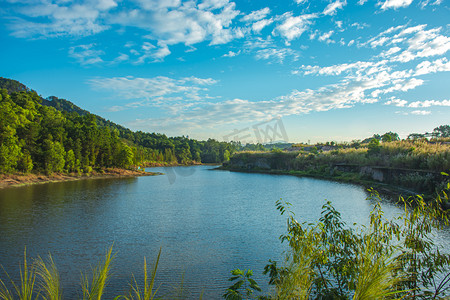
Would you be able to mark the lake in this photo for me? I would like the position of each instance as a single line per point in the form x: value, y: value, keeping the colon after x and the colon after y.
x: 207, y: 222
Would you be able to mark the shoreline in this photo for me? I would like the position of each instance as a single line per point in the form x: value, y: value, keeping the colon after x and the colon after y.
x: 19, y: 180
x: 382, y: 188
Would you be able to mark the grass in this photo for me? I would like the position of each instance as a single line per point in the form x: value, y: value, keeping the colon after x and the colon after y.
x: 100, y: 277
x: 376, y: 271
x: 26, y: 289
x: 147, y: 293
x: 50, y: 283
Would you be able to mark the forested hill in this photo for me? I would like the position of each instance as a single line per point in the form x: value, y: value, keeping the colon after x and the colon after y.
x: 54, y: 135
x: 58, y: 103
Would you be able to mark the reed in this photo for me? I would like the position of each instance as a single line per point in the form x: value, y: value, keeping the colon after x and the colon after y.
x: 377, y: 273
x: 24, y: 291
x: 50, y: 283
x: 147, y: 293
x: 100, y: 277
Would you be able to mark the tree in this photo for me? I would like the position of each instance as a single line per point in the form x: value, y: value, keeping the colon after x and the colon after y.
x: 415, y: 136
x: 70, y: 161
x: 25, y: 163
x: 390, y: 137
x: 125, y: 156
x: 9, y: 154
x: 374, y: 147
x: 442, y: 131
x: 226, y: 155
x: 54, y: 156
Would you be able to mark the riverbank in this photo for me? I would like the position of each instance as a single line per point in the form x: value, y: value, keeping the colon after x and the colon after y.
x: 345, y: 177
x: 17, y: 180
x: 352, y: 165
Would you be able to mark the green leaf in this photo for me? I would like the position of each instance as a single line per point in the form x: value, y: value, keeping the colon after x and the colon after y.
x: 237, y: 272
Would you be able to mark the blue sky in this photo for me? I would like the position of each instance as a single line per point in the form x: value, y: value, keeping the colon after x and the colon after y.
x: 329, y: 70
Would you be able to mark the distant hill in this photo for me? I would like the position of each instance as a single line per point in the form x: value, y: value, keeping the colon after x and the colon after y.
x: 63, y: 105
x: 12, y: 85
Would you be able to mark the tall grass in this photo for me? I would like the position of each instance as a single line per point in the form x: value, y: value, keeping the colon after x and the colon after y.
x: 26, y: 289
x: 50, y: 283
x: 100, y: 277
x: 147, y: 293
x: 377, y: 273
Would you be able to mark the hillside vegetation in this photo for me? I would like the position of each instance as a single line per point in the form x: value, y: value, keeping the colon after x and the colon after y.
x: 54, y: 135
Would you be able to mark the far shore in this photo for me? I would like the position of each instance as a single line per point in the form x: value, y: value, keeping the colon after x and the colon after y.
x: 17, y: 180
x: 382, y: 188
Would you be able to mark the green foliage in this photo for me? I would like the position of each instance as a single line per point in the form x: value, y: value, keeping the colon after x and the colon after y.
x: 390, y: 137
x: 442, y: 131
x: 374, y: 147
x: 25, y: 163
x: 243, y: 287
x: 54, y: 154
x: 388, y: 259
x: 226, y: 155
x: 125, y: 156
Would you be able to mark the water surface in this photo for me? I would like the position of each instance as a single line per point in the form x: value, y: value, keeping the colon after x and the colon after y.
x: 206, y: 223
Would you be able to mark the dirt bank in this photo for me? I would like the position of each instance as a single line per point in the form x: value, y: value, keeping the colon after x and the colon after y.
x: 14, y: 180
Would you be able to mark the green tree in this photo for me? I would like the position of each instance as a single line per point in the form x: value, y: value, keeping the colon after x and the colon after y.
x: 54, y: 156
x: 25, y: 163
x: 125, y: 156
x: 70, y: 161
x: 374, y: 147
x: 442, y: 131
x: 390, y: 137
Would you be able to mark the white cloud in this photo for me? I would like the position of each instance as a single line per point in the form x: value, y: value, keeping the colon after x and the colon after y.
x: 86, y: 54
x: 275, y: 54
x: 158, y: 89
x: 423, y: 43
x: 167, y: 22
x: 48, y: 19
x: 415, y: 42
x: 293, y: 27
x: 122, y: 57
x: 439, y: 65
x: 429, y: 103
x: 258, y: 43
x: 149, y: 52
x: 390, y: 52
x: 256, y: 15
x: 421, y: 112
x: 325, y: 37
x: 211, y: 4
x: 231, y: 54
x: 396, y: 102
x: 425, y: 3
x: 332, y: 8
x: 300, y: 1
x: 361, y: 2
x: 359, y: 25
x: 259, y: 25
x: 394, y: 4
